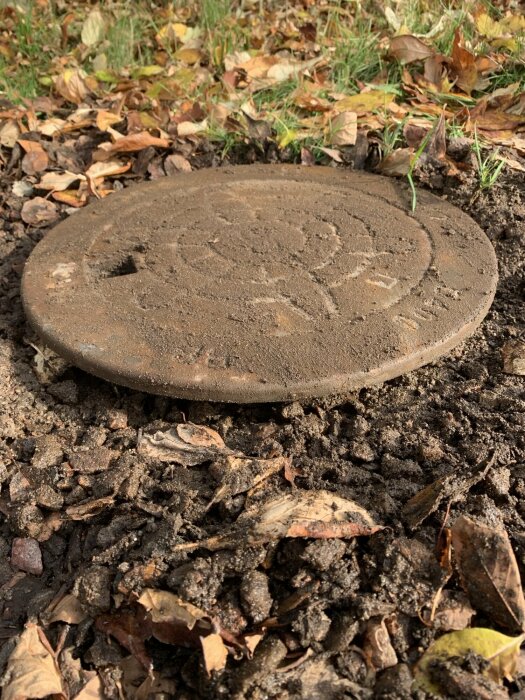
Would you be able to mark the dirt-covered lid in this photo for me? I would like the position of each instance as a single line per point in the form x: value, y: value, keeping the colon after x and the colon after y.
x: 259, y: 283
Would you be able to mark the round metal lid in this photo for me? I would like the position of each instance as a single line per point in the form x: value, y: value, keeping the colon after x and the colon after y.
x: 259, y: 283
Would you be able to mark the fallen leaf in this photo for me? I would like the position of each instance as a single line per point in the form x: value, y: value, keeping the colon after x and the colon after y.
x: 107, y: 168
x: 32, y: 671
x: 71, y: 84
x: 453, y: 612
x: 129, y: 144
x: 191, y: 128
x: 239, y: 474
x: 39, y: 212
x: 489, y: 572
x: 408, y: 48
x: 186, y: 444
x: 9, y: 133
x: 452, y: 488
x: 342, y: 129
x: 68, y: 609
x: 57, y: 182
x: 315, y: 514
x: 106, y: 119
x: 215, y: 653
x: 93, y: 28
x: 500, y: 651
x: 88, y: 509
x: 397, y: 163
x: 93, y: 690
x: 463, y: 65
x: 364, y: 102
x: 36, y: 159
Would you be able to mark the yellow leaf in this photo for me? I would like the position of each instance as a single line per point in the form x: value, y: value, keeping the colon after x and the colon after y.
x: 486, y: 26
x: 189, y: 56
x: 147, y: 71
x: 289, y: 137
x: 498, y: 649
x: 364, y: 102
x: 515, y: 23
x: 171, y: 31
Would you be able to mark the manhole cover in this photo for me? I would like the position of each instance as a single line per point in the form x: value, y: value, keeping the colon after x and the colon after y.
x: 259, y: 283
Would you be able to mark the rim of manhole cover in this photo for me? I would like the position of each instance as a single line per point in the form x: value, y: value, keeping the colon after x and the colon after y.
x: 259, y: 283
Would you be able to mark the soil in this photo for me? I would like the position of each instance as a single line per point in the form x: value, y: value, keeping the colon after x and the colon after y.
x: 339, y: 618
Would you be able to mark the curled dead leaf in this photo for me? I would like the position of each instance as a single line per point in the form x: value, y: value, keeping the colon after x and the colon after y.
x: 32, y: 671
x: 71, y: 84
x: 129, y: 144
x: 489, y: 572
x: 407, y: 49
x: 186, y: 444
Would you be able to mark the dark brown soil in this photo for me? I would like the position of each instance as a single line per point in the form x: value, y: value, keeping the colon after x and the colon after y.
x: 73, y: 440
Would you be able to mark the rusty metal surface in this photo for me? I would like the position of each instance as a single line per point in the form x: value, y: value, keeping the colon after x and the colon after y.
x: 259, y: 283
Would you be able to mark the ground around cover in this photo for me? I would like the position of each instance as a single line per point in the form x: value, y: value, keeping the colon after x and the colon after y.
x: 370, y: 546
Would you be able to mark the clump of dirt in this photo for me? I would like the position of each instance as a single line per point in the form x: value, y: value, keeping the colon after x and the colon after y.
x: 90, y: 521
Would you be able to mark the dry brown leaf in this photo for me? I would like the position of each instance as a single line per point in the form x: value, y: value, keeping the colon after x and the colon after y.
x: 39, y: 212
x: 89, y: 509
x: 69, y: 609
x: 186, y: 444
x: 437, y: 144
x: 9, y: 133
x: 408, y: 48
x: 315, y: 514
x: 36, y: 159
x: 32, y: 671
x: 93, y: 690
x: 107, y: 168
x: 129, y: 144
x: 106, y: 119
x: 239, y: 474
x: 71, y: 84
x: 397, y: 163
x: 489, y: 572
x: 57, y: 182
x: 342, y: 129
x: 215, y: 653
x: 452, y: 487
x: 463, y: 65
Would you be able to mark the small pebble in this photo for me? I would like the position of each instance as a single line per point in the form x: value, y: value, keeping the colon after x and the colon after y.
x: 26, y: 555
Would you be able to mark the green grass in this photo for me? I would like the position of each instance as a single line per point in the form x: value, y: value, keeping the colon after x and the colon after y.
x: 35, y: 43
x: 489, y: 166
x: 127, y: 43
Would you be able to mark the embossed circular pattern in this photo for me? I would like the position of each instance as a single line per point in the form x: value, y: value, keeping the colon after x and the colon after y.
x: 259, y: 283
